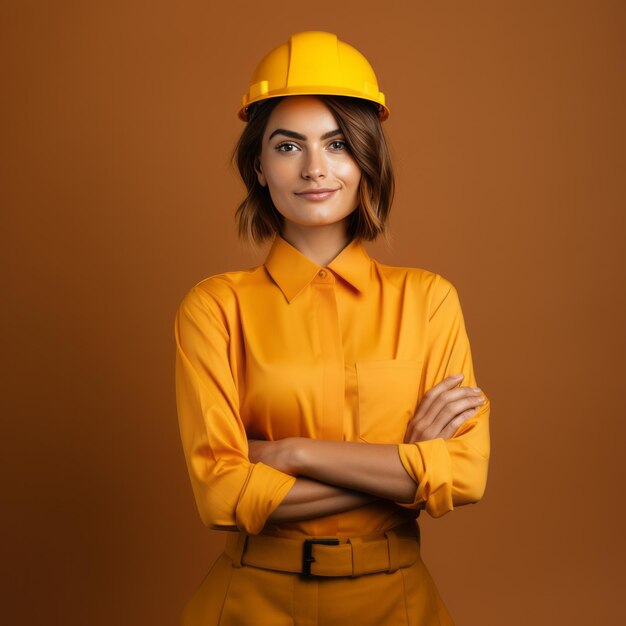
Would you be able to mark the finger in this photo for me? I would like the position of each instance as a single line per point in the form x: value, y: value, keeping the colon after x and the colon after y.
x: 410, y: 434
x: 443, y: 393
x: 450, y: 411
x: 454, y: 424
x: 449, y: 397
x: 433, y: 394
x: 425, y: 417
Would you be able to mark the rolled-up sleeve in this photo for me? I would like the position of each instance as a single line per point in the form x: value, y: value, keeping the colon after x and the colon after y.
x: 230, y: 491
x: 449, y: 472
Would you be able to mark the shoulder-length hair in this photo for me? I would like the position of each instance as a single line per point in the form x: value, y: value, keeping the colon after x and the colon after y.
x: 257, y: 218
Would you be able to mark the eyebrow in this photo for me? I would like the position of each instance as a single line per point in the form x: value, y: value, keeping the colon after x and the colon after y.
x: 294, y: 135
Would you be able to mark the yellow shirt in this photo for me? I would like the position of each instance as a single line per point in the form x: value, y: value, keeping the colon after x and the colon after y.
x: 341, y: 352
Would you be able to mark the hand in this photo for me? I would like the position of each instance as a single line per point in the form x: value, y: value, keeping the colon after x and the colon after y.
x: 277, y: 454
x: 442, y: 410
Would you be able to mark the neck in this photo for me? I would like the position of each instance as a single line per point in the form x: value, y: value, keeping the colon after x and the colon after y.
x: 321, y: 244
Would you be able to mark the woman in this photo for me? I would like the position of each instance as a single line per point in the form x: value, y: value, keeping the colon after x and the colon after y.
x: 319, y: 394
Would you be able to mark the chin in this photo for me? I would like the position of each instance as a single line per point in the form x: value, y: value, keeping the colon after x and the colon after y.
x: 312, y: 220
x: 325, y: 218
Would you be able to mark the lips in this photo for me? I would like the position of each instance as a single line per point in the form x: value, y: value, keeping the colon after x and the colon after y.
x: 316, y: 194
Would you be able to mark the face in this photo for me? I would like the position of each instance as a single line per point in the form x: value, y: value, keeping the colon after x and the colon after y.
x: 304, y: 150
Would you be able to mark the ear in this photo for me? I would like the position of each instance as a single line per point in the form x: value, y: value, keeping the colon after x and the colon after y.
x: 259, y: 173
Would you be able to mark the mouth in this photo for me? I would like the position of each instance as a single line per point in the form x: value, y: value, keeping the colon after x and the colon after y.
x: 317, y: 195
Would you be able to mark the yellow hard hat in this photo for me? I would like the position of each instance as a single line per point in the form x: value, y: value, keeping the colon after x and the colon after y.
x: 314, y: 62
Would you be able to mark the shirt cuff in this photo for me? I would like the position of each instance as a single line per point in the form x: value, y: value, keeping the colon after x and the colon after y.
x: 264, y: 490
x: 429, y: 465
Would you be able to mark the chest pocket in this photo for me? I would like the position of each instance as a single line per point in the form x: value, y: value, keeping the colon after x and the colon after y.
x: 387, y: 398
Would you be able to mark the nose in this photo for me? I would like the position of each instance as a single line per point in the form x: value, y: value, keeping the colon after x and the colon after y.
x: 314, y: 166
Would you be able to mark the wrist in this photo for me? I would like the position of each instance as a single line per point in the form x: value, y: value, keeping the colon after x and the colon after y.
x: 297, y: 450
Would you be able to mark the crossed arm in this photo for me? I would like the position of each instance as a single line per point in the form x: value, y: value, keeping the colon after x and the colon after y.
x: 239, y: 483
x: 336, y: 476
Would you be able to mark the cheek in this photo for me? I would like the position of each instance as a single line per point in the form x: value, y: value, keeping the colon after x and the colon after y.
x: 350, y: 173
x: 279, y: 174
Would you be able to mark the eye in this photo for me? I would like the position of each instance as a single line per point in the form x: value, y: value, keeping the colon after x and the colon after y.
x: 342, y: 144
x: 286, y: 144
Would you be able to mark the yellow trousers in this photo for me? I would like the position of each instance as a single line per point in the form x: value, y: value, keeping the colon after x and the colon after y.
x: 235, y: 594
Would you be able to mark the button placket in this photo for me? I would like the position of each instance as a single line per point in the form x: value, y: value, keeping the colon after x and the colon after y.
x: 331, y: 345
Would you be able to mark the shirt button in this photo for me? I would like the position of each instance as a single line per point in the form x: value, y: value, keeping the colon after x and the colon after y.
x: 322, y: 273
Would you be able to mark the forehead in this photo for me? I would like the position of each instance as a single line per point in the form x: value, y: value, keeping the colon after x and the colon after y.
x: 300, y: 113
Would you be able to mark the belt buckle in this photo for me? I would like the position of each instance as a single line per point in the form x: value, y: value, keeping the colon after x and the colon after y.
x: 307, y: 554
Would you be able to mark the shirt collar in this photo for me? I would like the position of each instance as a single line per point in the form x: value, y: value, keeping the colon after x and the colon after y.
x: 293, y: 270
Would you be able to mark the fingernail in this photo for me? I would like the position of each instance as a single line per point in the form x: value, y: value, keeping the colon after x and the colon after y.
x: 457, y: 376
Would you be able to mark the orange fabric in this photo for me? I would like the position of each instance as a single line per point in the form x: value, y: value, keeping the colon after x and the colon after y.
x: 252, y: 596
x: 343, y: 352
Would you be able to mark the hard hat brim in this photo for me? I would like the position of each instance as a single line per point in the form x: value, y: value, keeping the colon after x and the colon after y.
x: 383, y: 110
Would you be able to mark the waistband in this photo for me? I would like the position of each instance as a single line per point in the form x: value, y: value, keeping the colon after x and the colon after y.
x: 328, y: 556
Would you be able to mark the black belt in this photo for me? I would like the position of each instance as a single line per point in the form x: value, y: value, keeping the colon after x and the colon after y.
x: 328, y: 556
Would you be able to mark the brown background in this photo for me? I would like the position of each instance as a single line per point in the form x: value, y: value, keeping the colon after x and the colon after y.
x: 117, y: 195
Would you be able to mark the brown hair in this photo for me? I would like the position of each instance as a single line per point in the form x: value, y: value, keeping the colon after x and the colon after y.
x: 258, y: 219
